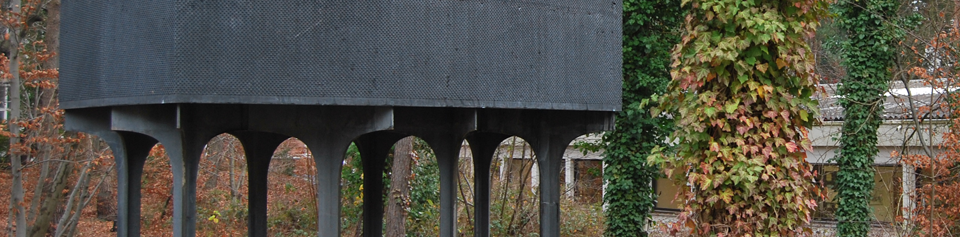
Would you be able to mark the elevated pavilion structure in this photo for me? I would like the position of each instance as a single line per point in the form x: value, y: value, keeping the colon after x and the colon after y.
x: 141, y: 72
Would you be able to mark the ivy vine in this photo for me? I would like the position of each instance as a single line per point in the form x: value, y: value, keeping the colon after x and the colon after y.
x: 868, y: 53
x: 743, y: 78
x: 649, y: 31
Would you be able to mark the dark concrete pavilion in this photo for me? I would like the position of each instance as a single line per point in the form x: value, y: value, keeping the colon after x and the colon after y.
x: 179, y: 72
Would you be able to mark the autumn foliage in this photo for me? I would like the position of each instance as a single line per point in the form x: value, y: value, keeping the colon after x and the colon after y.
x: 741, y: 97
x: 929, y: 54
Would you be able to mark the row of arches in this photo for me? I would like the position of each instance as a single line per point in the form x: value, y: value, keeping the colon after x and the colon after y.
x: 222, y: 189
x: 185, y: 130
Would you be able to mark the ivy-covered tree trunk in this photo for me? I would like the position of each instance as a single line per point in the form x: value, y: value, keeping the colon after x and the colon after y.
x: 743, y: 77
x: 867, y: 55
x: 650, y: 29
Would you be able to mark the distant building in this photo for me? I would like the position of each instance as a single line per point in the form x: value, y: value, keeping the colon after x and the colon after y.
x: 896, y: 133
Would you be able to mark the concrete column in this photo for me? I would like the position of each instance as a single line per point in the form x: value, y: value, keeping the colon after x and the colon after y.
x: 327, y: 131
x: 184, y: 161
x: 549, y: 149
x: 184, y: 129
x: 328, y: 152
x: 130, y: 151
x: 183, y: 134
x: 373, y: 149
x: 447, y: 150
x: 549, y: 133
x: 908, y: 182
x: 444, y: 130
x: 259, y: 148
x: 569, y: 178
x: 483, y: 146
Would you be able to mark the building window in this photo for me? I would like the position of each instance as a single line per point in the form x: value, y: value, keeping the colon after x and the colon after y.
x: 884, y: 202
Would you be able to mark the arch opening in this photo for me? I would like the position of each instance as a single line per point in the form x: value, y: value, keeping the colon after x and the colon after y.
x: 411, y: 205
x: 222, y: 187
x: 156, y: 202
x: 581, y: 198
x: 466, y: 173
x: 292, y: 189
x: 514, y: 195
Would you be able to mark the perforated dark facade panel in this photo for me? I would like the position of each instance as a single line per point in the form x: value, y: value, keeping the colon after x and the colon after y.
x: 536, y: 54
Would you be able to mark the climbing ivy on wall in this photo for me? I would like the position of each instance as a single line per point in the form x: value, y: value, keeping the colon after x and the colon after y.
x: 650, y: 29
x: 741, y: 99
x: 868, y: 53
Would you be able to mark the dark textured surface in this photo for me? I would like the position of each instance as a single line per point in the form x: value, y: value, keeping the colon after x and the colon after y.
x: 537, y: 54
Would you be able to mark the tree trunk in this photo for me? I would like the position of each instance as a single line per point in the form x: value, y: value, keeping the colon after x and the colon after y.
x: 80, y: 186
x: 238, y: 182
x: 16, y: 192
x: 399, y: 187
x: 52, y: 37
x: 46, y: 99
x: 107, y: 196
x: 214, y: 179
x: 42, y: 184
x: 214, y: 149
x: 74, y: 202
x: 69, y: 227
x: 106, y: 199
x: 51, y: 40
x: 233, y: 192
x: 51, y: 204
